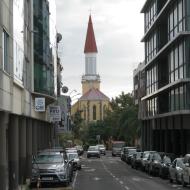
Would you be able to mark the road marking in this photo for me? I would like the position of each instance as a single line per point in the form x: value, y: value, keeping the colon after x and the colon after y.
x: 96, y: 178
x: 74, y: 181
x: 127, y: 188
x: 121, y: 182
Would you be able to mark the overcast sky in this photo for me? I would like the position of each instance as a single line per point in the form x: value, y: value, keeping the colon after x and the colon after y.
x: 118, y: 27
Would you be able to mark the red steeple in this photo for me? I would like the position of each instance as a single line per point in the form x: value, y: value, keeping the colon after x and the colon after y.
x: 90, y: 44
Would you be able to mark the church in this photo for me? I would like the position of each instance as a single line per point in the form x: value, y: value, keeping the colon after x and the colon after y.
x: 93, y: 103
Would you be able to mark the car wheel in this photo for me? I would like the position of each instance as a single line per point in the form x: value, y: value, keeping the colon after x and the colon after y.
x: 171, y: 180
x: 184, y: 184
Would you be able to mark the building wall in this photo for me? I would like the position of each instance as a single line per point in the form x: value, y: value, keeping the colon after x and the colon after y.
x: 87, y: 85
x: 86, y: 108
x: 23, y: 131
x: 165, y: 105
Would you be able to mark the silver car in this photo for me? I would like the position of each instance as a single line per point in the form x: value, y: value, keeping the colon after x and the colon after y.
x: 93, y: 151
x: 175, y: 170
x: 50, y: 167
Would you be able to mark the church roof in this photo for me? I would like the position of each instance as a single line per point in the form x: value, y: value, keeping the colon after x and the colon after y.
x: 94, y: 94
x: 90, y: 44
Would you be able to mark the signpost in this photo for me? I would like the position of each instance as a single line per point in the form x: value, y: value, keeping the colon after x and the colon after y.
x: 40, y: 104
x: 55, y: 113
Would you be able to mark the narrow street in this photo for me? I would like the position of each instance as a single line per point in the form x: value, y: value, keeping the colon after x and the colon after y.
x: 111, y: 173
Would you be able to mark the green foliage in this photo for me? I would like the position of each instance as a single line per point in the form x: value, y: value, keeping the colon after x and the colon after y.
x: 121, y: 123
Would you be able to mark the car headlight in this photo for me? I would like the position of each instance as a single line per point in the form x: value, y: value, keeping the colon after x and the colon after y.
x: 35, y: 171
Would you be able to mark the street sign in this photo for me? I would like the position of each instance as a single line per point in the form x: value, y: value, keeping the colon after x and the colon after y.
x: 40, y: 104
x: 55, y: 113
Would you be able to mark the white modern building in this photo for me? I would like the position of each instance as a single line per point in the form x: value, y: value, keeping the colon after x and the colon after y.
x: 28, y: 71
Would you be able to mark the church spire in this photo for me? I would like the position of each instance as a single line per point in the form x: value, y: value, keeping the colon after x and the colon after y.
x: 90, y: 44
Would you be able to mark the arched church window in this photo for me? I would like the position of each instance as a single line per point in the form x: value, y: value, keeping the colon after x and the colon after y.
x: 104, y: 111
x: 94, y: 112
x: 84, y: 111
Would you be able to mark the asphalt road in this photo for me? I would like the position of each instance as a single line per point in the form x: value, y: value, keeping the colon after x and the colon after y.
x: 110, y: 173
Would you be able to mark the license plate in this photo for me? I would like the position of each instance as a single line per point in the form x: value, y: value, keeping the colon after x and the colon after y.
x: 47, y: 178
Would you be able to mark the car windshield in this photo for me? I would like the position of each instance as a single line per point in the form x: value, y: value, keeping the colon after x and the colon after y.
x: 131, y: 151
x: 118, y: 145
x: 157, y: 157
x: 138, y: 155
x: 45, y: 159
x: 180, y: 163
x: 72, y: 156
x: 101, y: 146
x: 93, y: 148
x: 167, y: 160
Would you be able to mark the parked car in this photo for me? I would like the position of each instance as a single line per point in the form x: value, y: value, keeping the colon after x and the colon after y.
x: 71, y: 150
x: 175, y: 170
x: 93, y: 151
x: 164, y: 167
x: 74, y: 158
x: 122, y: 156
x: 79, y: 149
x: 51, y: 167
x: 136, y: 160
x: 145, y: 162
x: 186, y: 171
x: 102, y: 149
x: 116, y: 147
x: 129, y: 154
x: 154, y: 163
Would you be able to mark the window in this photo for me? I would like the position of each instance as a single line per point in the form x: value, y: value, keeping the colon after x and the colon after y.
x: 178, y: 98
x: 176, y: 61
x: 176, y: 19
x: 152, y: 79
x: 150, y: 15
x: 5, y: 46
x: 94, y: 112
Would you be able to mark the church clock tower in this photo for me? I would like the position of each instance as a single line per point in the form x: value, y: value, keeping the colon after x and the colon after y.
x: 91, y: 79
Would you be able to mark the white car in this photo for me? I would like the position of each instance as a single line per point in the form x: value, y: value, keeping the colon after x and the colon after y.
x: 102, y: 149
x: 186, y: 171
x: 176, y: 169
x: 73, y: 156
x: 93, y: 151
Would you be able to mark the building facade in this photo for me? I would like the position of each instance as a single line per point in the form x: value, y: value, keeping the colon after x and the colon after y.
x: 28, y: 70
x: 165, y: 105
x: 93, y: 104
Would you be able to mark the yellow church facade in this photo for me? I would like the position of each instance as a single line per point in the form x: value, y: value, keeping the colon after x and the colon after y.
x: 93, y: 104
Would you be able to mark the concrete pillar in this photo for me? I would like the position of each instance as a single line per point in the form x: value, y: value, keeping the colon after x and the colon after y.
x: 29, y: 148
x: 22, y: 150
x: 4, y: 119
x: 34, y: 138
x: 13, y: 135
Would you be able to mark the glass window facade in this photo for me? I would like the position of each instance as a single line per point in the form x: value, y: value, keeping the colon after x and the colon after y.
x: 176, y: 19
x: 5, y: 46
x: 177, y: 62
x: 150, y: 14
x: 151, y: 47
x: 178, y: 98
x: 152, y: 106
x: 152, y: 79
x: 45, y: 57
